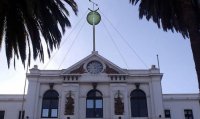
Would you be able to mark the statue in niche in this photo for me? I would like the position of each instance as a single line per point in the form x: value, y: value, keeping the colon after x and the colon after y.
x: 69, y: 105
x: 119, y: 106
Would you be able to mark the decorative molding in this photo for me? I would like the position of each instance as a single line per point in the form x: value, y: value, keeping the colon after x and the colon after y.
x: 109, y: 70
x: 79, y: 70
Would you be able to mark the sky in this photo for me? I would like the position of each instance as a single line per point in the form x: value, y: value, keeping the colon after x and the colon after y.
x: 122, y: 38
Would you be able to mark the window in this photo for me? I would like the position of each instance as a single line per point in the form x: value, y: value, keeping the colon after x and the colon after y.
x: 167, y: 114
x: 2, y: 113
x: 188, y: 114
x: 94, y: 104
x: 50, y: 104
x: 138, y: 104
x: 21, y: 114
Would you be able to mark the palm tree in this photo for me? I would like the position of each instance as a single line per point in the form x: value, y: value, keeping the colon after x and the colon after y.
x: 182, y: 16
x: 23, y: 23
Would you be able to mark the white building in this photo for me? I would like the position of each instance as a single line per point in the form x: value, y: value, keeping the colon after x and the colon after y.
x: 95, y: 88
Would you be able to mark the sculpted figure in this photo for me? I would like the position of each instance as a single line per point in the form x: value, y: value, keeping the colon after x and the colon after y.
x: 119, y: 106
x: 69, y: 106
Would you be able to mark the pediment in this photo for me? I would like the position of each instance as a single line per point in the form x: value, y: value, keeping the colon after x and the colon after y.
x: 81, y: 66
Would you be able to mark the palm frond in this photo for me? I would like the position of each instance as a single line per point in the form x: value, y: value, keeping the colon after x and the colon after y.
x: 2, y: 23
x: 24, y: 21
x: 168, y: 13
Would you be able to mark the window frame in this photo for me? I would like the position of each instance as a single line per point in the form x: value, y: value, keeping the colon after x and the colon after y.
x: 50, y: 102
x: 138, y: 99
x: 23, y: 114
x: 3, y: 114
x: 94, y: 95
x: 167, y: 115
x: 187, y: 115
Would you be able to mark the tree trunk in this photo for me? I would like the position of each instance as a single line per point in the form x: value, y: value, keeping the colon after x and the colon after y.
x: 191, y: 21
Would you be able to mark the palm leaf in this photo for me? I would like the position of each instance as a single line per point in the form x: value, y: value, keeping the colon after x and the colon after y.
x: 25, y: 22
x: 167, y: 12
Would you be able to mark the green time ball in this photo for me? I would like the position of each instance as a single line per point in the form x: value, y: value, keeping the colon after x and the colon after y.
x: 93, y: 17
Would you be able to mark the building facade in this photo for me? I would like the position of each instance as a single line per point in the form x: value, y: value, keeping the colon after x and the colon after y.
x: 95, y: 88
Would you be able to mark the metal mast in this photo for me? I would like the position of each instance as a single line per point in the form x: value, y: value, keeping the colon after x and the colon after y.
x: 93, y: 19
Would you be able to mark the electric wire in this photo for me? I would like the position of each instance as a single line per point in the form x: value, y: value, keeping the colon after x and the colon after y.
x: 124, y: 40
x: 25, y: 83
x: 71, y: 45
x: 115, y: 44
x: 64, y: 41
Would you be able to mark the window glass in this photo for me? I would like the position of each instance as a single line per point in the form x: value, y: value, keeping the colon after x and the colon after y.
x: 98, y: 103
x: 98, y: 113
x: 90, y: 113
x: 21, y: 114
x: 98, y: 94
x: 54, y: 112
x: 54, y: 103
x: 46, y: 103
x: 90, y: 103
x: 188, y: 114
x: 45, y: 112
x: 167, y: 114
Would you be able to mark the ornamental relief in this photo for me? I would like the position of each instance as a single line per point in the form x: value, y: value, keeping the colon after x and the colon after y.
x: 79, y: 70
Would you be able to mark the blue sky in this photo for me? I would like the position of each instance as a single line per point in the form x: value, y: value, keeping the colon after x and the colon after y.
x: 176, y: 60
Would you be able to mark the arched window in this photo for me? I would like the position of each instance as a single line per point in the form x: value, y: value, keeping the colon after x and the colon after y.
x: 94, y: 104
x: 50, y: 104
x: 138, y: 104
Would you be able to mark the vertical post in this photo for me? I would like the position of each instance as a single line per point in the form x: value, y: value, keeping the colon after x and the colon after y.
x: 93, y: 31
x: 158, y: 61
x: 93, y: 37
